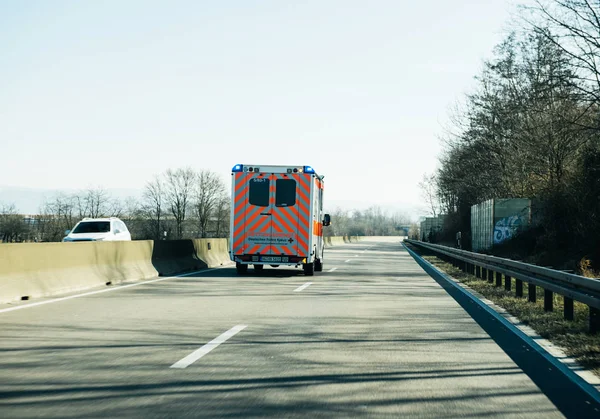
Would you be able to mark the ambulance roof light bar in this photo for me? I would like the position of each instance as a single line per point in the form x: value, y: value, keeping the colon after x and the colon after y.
x: 240, y: 168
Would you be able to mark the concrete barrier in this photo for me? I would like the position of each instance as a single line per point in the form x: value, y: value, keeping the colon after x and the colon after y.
x: 34, y: 270
x: 339, y: 240
x: 179, y: 256
x: 214, y: 252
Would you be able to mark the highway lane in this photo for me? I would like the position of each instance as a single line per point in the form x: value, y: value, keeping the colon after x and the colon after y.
x: 374, y: 337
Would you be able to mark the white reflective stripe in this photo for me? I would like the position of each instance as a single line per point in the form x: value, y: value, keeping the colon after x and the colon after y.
x: 303, y: 287
x: 200, y: 352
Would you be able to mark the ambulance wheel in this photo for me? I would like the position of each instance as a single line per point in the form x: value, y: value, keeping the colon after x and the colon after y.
x: 309, y: 269
x: 241, y: 269
x: 258, y: 268
x: 318, y: 265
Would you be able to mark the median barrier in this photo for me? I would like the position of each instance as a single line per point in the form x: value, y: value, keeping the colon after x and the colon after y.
x: 176, y: 256
x: 214, y: 252
x: 34, y: 270
x: 332, y: 241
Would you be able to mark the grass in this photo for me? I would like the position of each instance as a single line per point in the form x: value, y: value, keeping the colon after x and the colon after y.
x: 572, y: 336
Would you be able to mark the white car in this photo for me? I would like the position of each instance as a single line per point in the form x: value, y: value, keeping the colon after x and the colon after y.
x: 98, y: 229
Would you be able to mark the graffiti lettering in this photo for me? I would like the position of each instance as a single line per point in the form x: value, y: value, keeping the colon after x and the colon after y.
x: 506, y: 227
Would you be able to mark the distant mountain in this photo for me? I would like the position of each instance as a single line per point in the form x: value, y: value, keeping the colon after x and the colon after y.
x: 30, y: 200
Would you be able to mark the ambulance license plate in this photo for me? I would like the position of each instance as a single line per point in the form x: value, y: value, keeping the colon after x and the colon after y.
x: 283, y: 259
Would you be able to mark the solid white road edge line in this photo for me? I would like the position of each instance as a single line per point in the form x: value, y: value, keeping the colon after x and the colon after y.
x: 332, y: 269
x: 347, y: 261
x: 203, y: 350
x: 85, y: 294
x: 302, y: 287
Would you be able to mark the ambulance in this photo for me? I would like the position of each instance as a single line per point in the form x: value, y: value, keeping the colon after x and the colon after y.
x: 277, y: 217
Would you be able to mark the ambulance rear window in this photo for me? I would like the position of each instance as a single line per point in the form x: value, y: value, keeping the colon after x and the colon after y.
x: 285, y: 193
x: 259, y: 192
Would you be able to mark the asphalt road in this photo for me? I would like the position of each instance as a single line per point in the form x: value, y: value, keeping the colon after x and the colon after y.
x: 375, y: 337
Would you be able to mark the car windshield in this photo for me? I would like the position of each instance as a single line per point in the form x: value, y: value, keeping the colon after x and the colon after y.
x: 92, y: 227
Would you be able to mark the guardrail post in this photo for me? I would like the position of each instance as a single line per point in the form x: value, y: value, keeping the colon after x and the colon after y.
x: 568, y: 308
x: 532, y: 292
x: 548, y: 300
x: 594, y: 320
x: 519, y: 287
x: 507, y: 283
x: 490, y: 277
x: 478, y: 271
x: 484, y: 274
x: 498, y: 279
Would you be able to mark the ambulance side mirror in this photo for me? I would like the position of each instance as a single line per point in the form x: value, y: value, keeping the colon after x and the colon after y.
x: 326, y: 220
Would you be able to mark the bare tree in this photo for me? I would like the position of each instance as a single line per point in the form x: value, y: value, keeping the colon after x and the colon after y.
x: 340, y: 223
x: 373, y: 221
x: 413, y: 232
x: 56, y: 216
x: 575, y: 26
x: 399, y: 219
x: 130, y: 212
x: 12, y: 226
x: 153, y: 206
x: 209, y: 190
x: 429, y: 190
x: 222, y: 215
x: 179, y: 186
x: 96, y: 202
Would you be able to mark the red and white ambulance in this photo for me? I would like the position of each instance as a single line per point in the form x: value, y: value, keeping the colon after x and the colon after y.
x: 277, y: 217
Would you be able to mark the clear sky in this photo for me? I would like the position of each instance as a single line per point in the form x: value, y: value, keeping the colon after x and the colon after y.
x: 109, y: 93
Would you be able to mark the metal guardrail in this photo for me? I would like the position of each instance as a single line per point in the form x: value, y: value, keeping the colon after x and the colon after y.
x: 572, y: 287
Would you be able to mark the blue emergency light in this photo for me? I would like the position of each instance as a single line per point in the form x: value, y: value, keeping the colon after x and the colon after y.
x: 308, y: 169
x: 238, y: 168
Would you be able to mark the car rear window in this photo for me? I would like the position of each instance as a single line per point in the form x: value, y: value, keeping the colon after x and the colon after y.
x: 285, y: 193
x: 92, y: 227
x: 259, y: 192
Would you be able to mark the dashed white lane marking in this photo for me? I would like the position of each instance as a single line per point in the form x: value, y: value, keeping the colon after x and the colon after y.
x: 85, y: 294
x: 355, y: 256
x: 303, y: 287
x: 332, y: 269
x: 346, y: 261
x: 200, y: 352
